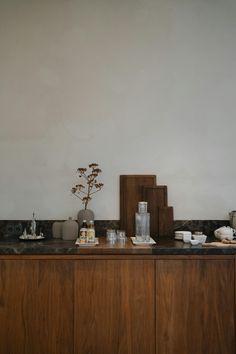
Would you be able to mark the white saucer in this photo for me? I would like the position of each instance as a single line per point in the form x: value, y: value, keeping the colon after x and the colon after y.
x: 150, y: 242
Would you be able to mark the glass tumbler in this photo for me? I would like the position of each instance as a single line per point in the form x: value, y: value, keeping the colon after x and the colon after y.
x: 121, y: 236
x: 111, y: 235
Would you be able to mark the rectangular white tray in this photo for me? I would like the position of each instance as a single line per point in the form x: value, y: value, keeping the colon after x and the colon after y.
x: 150, y: 242
x: 87, y: 244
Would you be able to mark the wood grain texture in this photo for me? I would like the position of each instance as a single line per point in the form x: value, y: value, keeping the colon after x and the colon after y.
x: 155, y: 196
x: 17, y: 306
x: 114, y: 307
x: 166, y: 221
x: 109, y: 306
x: 54, y: 322
x: 195, y: 307
x: 36, y: 307
x: 131, y: 192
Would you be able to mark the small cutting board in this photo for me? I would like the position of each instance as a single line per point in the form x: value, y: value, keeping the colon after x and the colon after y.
x: 218, y: 244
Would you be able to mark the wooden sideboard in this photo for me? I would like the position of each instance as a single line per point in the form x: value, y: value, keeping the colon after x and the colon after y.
x: 114, y: 304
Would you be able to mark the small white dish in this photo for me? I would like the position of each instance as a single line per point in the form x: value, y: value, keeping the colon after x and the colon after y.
x: 194, y: 242
x: 150, y: 242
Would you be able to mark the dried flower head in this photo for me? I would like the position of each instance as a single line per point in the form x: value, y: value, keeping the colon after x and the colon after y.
x: 88, y: 183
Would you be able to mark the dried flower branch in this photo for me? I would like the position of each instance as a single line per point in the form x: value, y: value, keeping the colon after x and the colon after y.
x: 88, y: 183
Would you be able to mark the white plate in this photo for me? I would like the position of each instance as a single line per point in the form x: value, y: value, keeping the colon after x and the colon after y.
x: 87, y: 244
x: 150, y: 242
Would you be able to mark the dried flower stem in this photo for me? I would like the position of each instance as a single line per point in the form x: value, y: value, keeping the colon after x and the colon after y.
x: 91, y: 184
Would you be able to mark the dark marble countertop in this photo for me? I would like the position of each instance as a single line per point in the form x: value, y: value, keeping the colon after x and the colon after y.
x: 171, y: 246
x: 164, y: 246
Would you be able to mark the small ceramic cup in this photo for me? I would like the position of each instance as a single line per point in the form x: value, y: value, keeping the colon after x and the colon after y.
x: 187, y: 236
x: 201, y: 238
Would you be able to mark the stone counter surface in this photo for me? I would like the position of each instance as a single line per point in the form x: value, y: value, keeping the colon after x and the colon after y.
x: 164, y: 246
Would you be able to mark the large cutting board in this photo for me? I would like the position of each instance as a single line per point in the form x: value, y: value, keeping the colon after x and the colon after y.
x: 131, y: 192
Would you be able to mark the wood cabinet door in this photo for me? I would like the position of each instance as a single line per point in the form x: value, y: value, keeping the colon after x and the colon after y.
x: 36, y: 307
x: 114, y: 307
x: 17, y: 306
x: 55, y: 307
x: 195, y: 307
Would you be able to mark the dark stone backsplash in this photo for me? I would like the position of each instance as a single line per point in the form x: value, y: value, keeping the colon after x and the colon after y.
x: 206, y: 226
x: 11, y: 230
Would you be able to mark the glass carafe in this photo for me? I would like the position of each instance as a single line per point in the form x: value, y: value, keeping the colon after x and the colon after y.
x: 142, y: 223
x: 232, y: 219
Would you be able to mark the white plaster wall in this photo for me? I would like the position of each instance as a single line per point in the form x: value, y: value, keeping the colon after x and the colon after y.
x: 139, y: 86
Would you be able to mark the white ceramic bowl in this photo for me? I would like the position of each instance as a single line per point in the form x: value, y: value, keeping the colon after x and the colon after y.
x: 200, y: 238
x: 194, y: 242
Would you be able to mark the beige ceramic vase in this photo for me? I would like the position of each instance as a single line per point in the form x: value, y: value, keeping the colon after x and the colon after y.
x: 70, y: 229
x: 57, y: 229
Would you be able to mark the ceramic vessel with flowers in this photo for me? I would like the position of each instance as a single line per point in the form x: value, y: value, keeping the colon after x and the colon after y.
x: 88, y: 185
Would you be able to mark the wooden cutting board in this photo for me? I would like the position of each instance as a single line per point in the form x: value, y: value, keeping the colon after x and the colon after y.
x: 131, y: 192
x: 218, y: 244
x: 155, y: 196
x: 166, y: 221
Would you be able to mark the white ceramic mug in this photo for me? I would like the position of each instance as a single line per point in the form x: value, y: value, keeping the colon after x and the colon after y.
x: 187, y: 236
